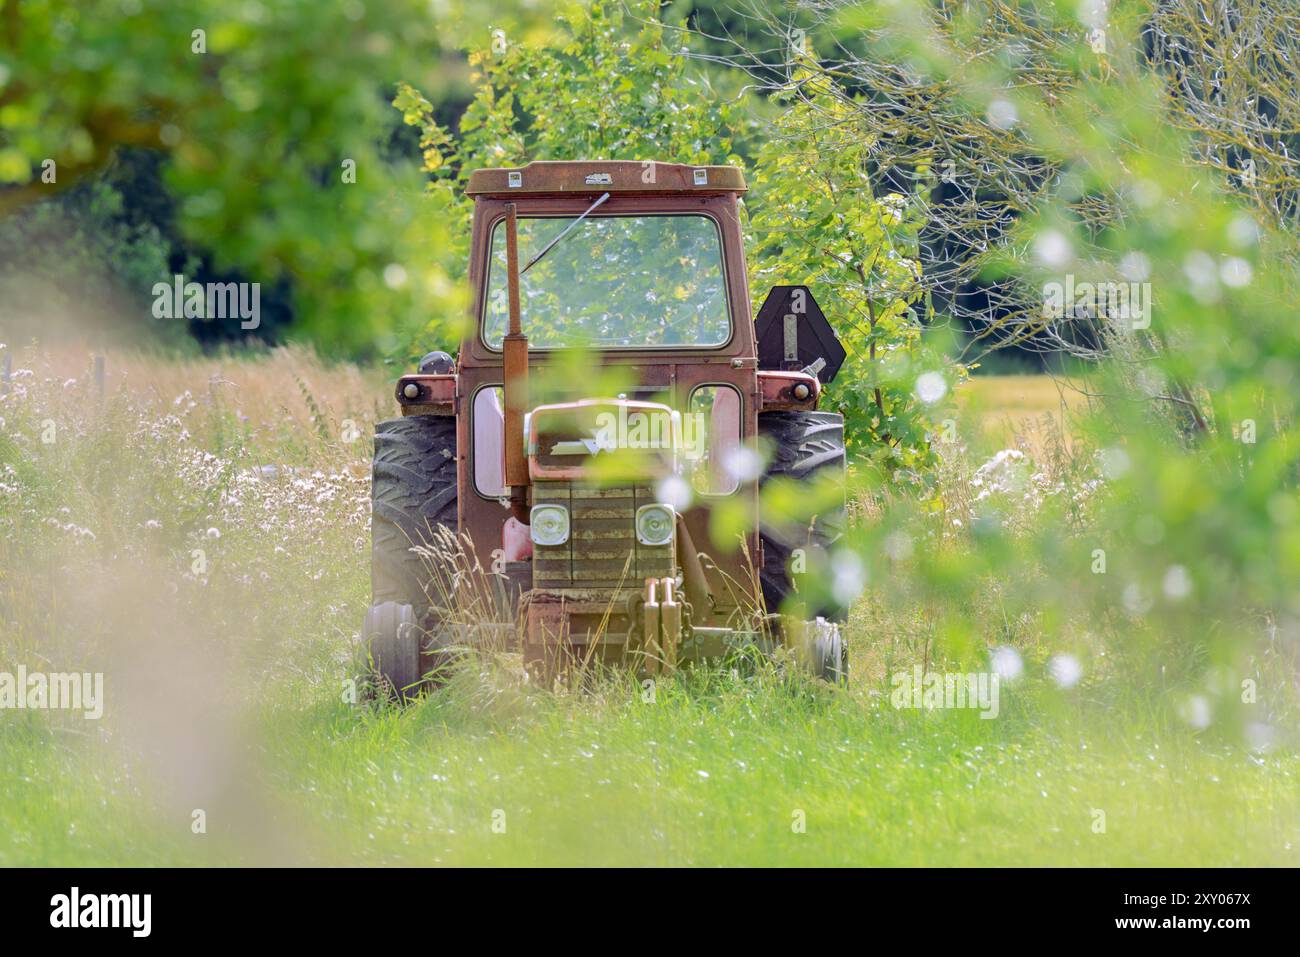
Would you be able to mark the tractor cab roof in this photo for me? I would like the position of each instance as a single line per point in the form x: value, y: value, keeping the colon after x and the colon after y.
x: 613, y: 176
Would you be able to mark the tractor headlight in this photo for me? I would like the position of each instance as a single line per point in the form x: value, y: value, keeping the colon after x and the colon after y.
x: 654, y: 524
x: 549, y: 524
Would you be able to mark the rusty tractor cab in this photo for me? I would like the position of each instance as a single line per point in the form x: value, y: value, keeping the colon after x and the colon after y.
x: 642, y: 265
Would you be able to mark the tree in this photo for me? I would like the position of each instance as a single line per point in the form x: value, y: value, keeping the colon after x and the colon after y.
x: 616, y: 85
x: 607, y: 86
x: 818, y: 220
x: 273, y: 122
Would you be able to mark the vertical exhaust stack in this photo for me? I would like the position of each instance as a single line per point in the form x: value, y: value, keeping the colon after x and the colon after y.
x: 514, y: 349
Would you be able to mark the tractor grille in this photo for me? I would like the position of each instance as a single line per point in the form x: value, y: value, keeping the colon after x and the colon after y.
x: 602, y: 548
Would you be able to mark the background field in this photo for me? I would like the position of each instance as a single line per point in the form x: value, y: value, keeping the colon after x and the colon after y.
x: 225, y: 686
x: 1008, y: 406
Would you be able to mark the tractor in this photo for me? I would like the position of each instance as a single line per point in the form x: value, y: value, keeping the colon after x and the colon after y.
x: 593, y: 510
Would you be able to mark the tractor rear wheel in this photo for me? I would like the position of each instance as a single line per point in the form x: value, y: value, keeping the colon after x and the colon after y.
x: 806, y: 445
x: 413, y: 495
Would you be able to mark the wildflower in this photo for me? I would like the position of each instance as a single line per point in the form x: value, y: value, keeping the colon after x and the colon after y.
x: 1177, y: 583
x: 1006, y: 663
x: 931, y: 387
x: 1065, y: 670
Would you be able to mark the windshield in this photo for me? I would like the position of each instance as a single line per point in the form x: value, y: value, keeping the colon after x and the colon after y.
x: 614, y: 281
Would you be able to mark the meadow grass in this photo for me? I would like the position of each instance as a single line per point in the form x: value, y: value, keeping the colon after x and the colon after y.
x: 1004, y: 407
x: 226, y: 686
x: 714, y: 772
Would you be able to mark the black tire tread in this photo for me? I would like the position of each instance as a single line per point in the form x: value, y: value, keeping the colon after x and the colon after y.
x: 804, y: 444
x: 413, y: 491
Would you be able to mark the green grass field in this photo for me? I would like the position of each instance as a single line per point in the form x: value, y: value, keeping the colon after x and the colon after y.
x: 709, y: 776
x: 1007, y: 406
x: 225, y: 684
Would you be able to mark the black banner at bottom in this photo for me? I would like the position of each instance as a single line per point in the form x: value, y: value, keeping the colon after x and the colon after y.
x: 379, y: 907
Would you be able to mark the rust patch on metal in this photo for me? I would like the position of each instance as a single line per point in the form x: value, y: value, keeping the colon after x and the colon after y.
x: 614, y: 176
x: 426, y: 394
x: 795, y: 391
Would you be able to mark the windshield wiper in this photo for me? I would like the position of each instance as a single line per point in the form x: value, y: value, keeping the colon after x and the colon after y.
x: 567, y: 229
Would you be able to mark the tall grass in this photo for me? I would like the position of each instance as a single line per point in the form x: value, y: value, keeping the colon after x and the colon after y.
x: 228, y: 680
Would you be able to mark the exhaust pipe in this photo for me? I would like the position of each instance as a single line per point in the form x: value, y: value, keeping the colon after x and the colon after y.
x: 514, y: 349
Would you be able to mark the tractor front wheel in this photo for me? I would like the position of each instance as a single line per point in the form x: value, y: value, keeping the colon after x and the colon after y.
x: 829, y: 657
x: 391, y: 639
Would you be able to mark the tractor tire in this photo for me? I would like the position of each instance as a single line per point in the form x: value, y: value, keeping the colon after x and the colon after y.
x: 544, y: 664
x: 391, y: 639
x: 412, y: 493
x: 830, y: 659
x: 805, y: 444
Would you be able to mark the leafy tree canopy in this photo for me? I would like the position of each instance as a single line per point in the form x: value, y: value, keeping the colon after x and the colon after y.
x: 618, y: 84
x: 278, y: 143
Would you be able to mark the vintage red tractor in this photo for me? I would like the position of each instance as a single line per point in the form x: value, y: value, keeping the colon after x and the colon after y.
x: 594, y: 510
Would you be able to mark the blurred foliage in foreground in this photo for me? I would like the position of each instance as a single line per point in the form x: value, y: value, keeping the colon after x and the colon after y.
x: 1163, y: 550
